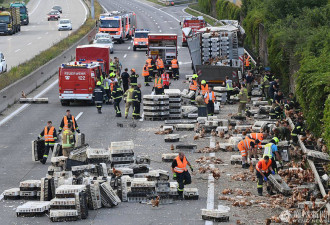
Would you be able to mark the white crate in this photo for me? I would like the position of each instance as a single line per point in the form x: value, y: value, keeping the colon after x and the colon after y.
x: 121, y: 145
x: 96, y: 195
x: 242, y: 127
x: 69, y: 189
x: 222, y: 129
x: 64, y: 181
x: 172, y: 92
x: 257, y: 103
x: 190, y: 192
x: 211, y: 123
x: 63, y: 213
x: 12, y: 192
x: 125, y: 171
x: 136, y: 182
x: 63, y: 201
x: 235, y: 140
x: 258, y: 125
x: 185, y: 126
x: 156, y: 108
x: 156, y: 97
x: 107, y: 190
x: 59, y: 159
x: 167, y: 127
x: 94, y: 153
x: 30, y: 183
x: 216, y: 213
x: 64, y: 174
x: 171, y: 136
x: 220, y: 89
x: 169, y: 156
x: 33, y: 207
x: 28, y: 193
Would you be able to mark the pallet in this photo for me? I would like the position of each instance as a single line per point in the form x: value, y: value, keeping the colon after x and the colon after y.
x: 156, y: 118
x: 33, y: 100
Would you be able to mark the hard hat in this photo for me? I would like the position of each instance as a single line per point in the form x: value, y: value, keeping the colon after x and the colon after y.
x: 276, y: 140
x: 133, y: 70
x: 98, y: 83
x: 112, y: 74
x: 203, y: 82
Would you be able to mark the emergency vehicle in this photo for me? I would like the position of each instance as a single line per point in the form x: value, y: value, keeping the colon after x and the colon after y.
x: 140, y: 39
x: 77, y: 81
x: 190, y: 26
x: 120, y: 25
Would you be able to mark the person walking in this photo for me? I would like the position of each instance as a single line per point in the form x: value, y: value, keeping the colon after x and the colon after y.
x: 175, y: 69
x: 125, y: 79
x: 243, y: 98
x: 98, y: 96
x: 106, y: 86
x: 273, y: 87
x: 68, y: 141
x: 136, y: 102
x: 49, y: 132
x: 145, y: 74
x: 193, y: 86
x: 249, y: 83
x: 69, y: 119
x: 166, y: 80
x: 263, y: 170
x: 150, y: 63
x: 180, y: 172
x: 229, y: 88
x: 209, y: 98
x: 133, y: 78
x: 160, y: 65
x: 129, y: 100
x: 117, y: 95
x: 158, y: 85
x: 297, y: 130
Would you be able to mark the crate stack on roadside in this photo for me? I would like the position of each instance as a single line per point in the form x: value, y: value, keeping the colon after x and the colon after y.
x: 141, y: 189
x: 121, y: 153
x: 30, y: 189
x: 174, y: 103
x: 156, y: 107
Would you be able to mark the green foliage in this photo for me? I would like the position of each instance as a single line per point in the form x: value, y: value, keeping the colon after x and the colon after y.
x: 205, y: 6
x: 326, y: 121
x: 227, y: 10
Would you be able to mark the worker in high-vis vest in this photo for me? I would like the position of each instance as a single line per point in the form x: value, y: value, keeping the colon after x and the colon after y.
x: 175, y: 69
x: 160, y: 65
x: 67, y: 119
x: 229, y: 88
x: 158, y: 85
x: 129, y: 100
x: 136, y: 102
x: 272, y: 152
x: 145, y: 74
x: 258, y: 136
x: 117, y: 95
x: 68, y: 141
x: 297, y: 130
x: 106, y: 86
x: 113, y: 66
x: 247, y: 62
x: 180, y: 172
x: 193, y: 86
x: 150, y: 62
x: 247, y: 147
x: 263, y: 168
x: 204, y: 87
x: 209, y: 99
x: 243, y: 99
x: 133, y: 77
x: 49, y: 133
x: 166, y: 80
x: 98, y: 96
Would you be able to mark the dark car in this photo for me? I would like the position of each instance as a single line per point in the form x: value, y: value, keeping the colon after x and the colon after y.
x: 58, y: 8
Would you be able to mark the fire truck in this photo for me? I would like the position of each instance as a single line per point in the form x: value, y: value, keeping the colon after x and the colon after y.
x: 120, y: 25
x: 77, y: 81
x: 164, y: 46
x: 140, y: 39
x: 190, y: 26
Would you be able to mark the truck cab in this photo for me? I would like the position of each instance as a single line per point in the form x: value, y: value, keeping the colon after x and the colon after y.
x: 113, y: 23
x: 140, y: 39
x: 24, y: 16
x: 77, y: 81
x: 9, y: 21
x: 190, y: 25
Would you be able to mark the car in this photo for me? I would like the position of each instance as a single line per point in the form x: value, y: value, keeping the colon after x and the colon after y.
x: 3, y: 64
x: 102, y: 35
x: 58, y: 8
x: 65, y: 24
x: 53, y: 15
x: 140, y: 39
x: 104, y: 42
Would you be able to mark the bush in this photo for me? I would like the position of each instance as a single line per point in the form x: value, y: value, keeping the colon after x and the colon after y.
x: 227, y: 10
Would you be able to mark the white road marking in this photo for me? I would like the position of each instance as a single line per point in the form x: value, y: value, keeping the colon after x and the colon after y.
x: 125, y: 56
x: 18, y: 50
x: 105, y: 9
x: 9, y: 39
x: 39, y: 37
x: 29, y: 43
x: 129, y: 47
x: 160, y: 31
x: 184, y: 63
x: 79, y: 115
x: 20, y: 109
x: 35, y: 8
x: 86, y: 12
x: 210, y: 184
x: 183, y: 10
x: 142, y: 117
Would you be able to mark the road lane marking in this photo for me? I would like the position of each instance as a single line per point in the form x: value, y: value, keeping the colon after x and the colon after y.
x: 35, y: 8
x: 39, y: 37
x: 18, y: 50
x: 210, y: 184
x: 9, y: 39
x: 86, y: 12
x: 29, y: 43
x: 125, y: 56
x: 129, y: 47
x: 79, y: 115
x: 20, y: 109
x: 105, y: 9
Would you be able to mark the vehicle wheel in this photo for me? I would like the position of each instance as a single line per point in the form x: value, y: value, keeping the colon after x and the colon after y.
x: 65, y: 103
x: 19, y: 28
x: 134, y: 48
x: 48, y: 19
x: 5, y: 69
x: 27, y: 22
x: 122, y: 41
x: 111, y: 52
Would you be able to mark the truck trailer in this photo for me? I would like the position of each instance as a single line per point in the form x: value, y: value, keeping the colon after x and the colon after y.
x: 24, y: 15
x: 10, y: 22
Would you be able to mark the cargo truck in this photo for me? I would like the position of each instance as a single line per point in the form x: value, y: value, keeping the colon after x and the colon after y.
x: 94, y: 53
x: 189, y: 27
x: 10, y: 22
x: 164, y: 46
x: 24, y: 16
x: 77, y: 81
x: 216, y: 52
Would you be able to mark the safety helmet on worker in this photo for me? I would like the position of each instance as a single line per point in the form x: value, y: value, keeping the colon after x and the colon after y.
x: 275, y: 139
x: 194, y: 76
x: 133, y: 70
x: 203, y: 82
x: 98, y: 83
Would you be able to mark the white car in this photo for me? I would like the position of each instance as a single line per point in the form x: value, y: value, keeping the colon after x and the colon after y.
x: 105, y: 42
x: 3, y: 64
x: 65, y: 24
x: 101, y: 35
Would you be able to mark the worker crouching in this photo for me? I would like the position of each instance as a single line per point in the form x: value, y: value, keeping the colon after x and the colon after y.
x: 264, y: 169
x: 68, y: 141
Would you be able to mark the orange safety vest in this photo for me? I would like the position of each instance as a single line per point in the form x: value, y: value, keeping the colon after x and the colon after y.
x: 160, y: 64
x: 193, y: 86
x: 182, y: 165
x: 247, y: 61
x: 149, y: 62
x: 66, y: 123
x: 111, y: 86
x: 145, y: 72
x: 158, y: 83
x: 261, y: 165
x: 205, y: 88
x: 166, y: 78
x: 208, y: 97
x: 174, y: 63
x: 49, y: 137
x: 244, y: 145
x: 257, y: 136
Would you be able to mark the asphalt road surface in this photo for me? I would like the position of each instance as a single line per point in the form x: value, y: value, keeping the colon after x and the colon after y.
x: 41, y: 34
x: 100, y: 129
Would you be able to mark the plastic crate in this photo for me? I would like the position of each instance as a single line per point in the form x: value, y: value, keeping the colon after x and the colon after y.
x: 119, y: 147
x: 11, y: 194
x: 68, y: 190
x: 190, y: 194
x: 63, y: 203
x: 108, y: 196
x: 38, y: 148
x: 94, y: 196
x: 279, y: 184
x: 31, y: 209
x: 155, y: 97
x: 59, y: 215
x: 96, y: 153
x: 52, y: 169
x: 29, y: 185
x: 185, y: 127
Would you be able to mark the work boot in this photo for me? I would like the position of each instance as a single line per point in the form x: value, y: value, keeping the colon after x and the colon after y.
x: 43, y: 160
x: 147, y: 84
x: 125, y: 117
x: 180, y: 197
x: 260, y: 191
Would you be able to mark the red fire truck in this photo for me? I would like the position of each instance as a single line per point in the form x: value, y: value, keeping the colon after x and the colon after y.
x: 77, y: 81
x: 94, y: 53
x: 190, y: 26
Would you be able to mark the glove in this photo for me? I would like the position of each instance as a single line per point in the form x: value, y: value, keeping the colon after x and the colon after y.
x: 192, y: 169
x: 265, y: 179
x: 174, y: 176
x: 273, y: 172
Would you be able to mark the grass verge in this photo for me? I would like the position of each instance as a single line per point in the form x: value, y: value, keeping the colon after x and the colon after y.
x: 42, y: 58
x: 208, y: 20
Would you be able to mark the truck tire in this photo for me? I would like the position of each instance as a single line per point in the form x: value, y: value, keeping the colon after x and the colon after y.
x: 65, y: 103
x: 19, y: 28
x: 134, y: 48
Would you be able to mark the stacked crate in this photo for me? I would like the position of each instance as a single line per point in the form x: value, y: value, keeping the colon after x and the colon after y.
x: 32, y: 209
x: 30, y: 189
x: 220, y: 93
x: 175, y: 103
x: 95, y: 155
x: 121, y: 152
x: 109, y: 197
x: 163, y: 191
x: 156, y: 107
x: 206, y: 47
x: 141, y: 189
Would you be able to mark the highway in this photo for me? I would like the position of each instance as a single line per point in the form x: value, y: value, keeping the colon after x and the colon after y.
x: 101, y: 129
x: 41, y: 34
